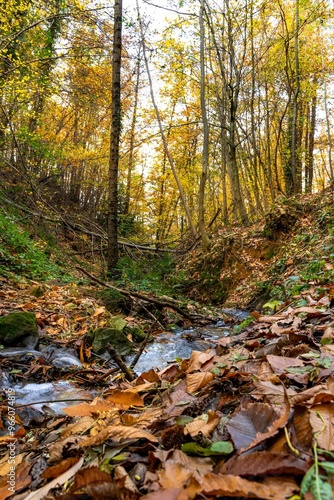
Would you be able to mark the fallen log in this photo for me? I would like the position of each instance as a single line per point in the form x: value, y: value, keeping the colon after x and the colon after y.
x: 147, y: 298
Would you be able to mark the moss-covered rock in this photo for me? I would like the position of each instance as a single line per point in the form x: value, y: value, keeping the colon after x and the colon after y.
x: 19, y: 329
x: 137, y: 334
x: 100, y: 338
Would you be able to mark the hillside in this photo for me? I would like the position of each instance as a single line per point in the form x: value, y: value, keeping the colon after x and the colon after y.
x: 289, y: 250
x: 248, y: 414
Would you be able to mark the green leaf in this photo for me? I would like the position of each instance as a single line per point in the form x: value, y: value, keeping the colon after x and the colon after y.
x: 215, y: 370
x: 325, y: 362
x: 326, y: 452
x: 299, y: 370
x: 325, y: 341
x: 218, y: 448
x: 310, y: 355
x: 328, y: 466
x: 272, y: 304
x: 184, y: 419
x: 321, y: 489
x: 118, y: 323
x: 307, y: 481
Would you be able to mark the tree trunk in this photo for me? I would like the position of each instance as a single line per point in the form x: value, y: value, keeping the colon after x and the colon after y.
x: 162, y: 133
x: 205, y: 152
x: 112, y: 256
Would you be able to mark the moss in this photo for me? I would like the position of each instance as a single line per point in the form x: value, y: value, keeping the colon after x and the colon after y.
x: 136, y: 333
x: 16, y: 327
x: 103, y: 336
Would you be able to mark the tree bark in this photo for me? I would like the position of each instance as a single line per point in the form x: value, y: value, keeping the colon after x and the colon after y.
x: 205, y: 152
x: 112, y: 255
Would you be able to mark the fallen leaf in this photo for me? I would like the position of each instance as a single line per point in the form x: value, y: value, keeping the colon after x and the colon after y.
x: 198, y: 380
x: 118, y: 433
x: 229, y: 485
x: 263, y: 463
x: 255, y: 423
x: 322, y: 423
x: 57, y: 470
x: 125, y: 400
x: 205, y: 424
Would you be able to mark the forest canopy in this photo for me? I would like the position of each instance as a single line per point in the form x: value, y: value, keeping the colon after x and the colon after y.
x: 241, y: 90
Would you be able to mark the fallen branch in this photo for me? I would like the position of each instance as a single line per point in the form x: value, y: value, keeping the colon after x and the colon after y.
x: 116, y: 357
x: 162, y: 303
x: 141, y: 347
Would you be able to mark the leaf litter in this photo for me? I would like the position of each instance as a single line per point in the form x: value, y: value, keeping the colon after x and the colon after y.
x: 252, y: 417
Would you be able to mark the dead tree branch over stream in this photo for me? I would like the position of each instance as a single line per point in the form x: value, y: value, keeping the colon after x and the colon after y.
x: 170, y: 303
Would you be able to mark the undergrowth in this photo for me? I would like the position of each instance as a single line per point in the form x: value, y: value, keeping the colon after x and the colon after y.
x: 150, y: 273
x: 21, y: 256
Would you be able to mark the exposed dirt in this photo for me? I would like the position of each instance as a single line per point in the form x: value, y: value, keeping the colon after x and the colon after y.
x: 246, y: 266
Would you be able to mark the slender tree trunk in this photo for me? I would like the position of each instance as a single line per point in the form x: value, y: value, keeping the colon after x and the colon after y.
x: 328, y: 124
x: 205, y: 152
x: 295, y: 132
x: 310, y: 151
x: 162, y: 133
x: 132, y: 141
x: 112, y: 256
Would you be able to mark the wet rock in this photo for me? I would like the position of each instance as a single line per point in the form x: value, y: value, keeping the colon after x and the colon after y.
x: 17, y: 353
x: 104, y: 336
x: 19, y: 329
x: 61, y: 357
x: 137, y: 334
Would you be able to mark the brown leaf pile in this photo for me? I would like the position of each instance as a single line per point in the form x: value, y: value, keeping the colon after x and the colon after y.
x: 267, y: 395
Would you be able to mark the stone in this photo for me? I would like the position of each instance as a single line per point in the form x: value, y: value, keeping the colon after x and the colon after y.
x: 103, y: 336
x: 19, y: 329
x: 137, y: 334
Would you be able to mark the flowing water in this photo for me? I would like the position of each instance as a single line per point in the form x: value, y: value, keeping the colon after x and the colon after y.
x: 165, y: 349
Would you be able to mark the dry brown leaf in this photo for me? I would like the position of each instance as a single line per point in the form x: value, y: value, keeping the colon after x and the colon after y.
x: 148, y: 417
x: 198, y: 359
x: 88, y: 476
x: 311, y: 312
x: 141, y: 387
x: 150, y: 376
x: 5, y: 465
x: 229, y: 485
x: 57, y: 470
x: 308, y: 394
x: 270, y: 319
x: 175, y: 475
x: 280, y: 363
x: 118, y: 433
x: 97, y: 312
x: 255, y: 423
x: 125, y: 400
x: 205, y: 425
x: 196, y: 381
x: 22, y: 479
x: 78, y: 427
x: 263, y: 463
x: 129, y: 420
x: 328, y: 334
x: 322, y: 423
x: 286, y: 327
x: 169, y: 373
x: 127, y: 483
x: 71, y: 444
x: 170, y: 494
x: 84, y: 409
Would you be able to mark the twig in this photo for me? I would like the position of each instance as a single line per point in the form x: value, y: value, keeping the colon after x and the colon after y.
x: 141, y: 348
x: 53, y: 401
x: 116, y: 357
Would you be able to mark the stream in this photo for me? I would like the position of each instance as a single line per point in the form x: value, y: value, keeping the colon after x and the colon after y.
x: 165, y: 349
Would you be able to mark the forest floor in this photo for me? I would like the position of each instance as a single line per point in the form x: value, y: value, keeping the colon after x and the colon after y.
x: 251, y: 417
